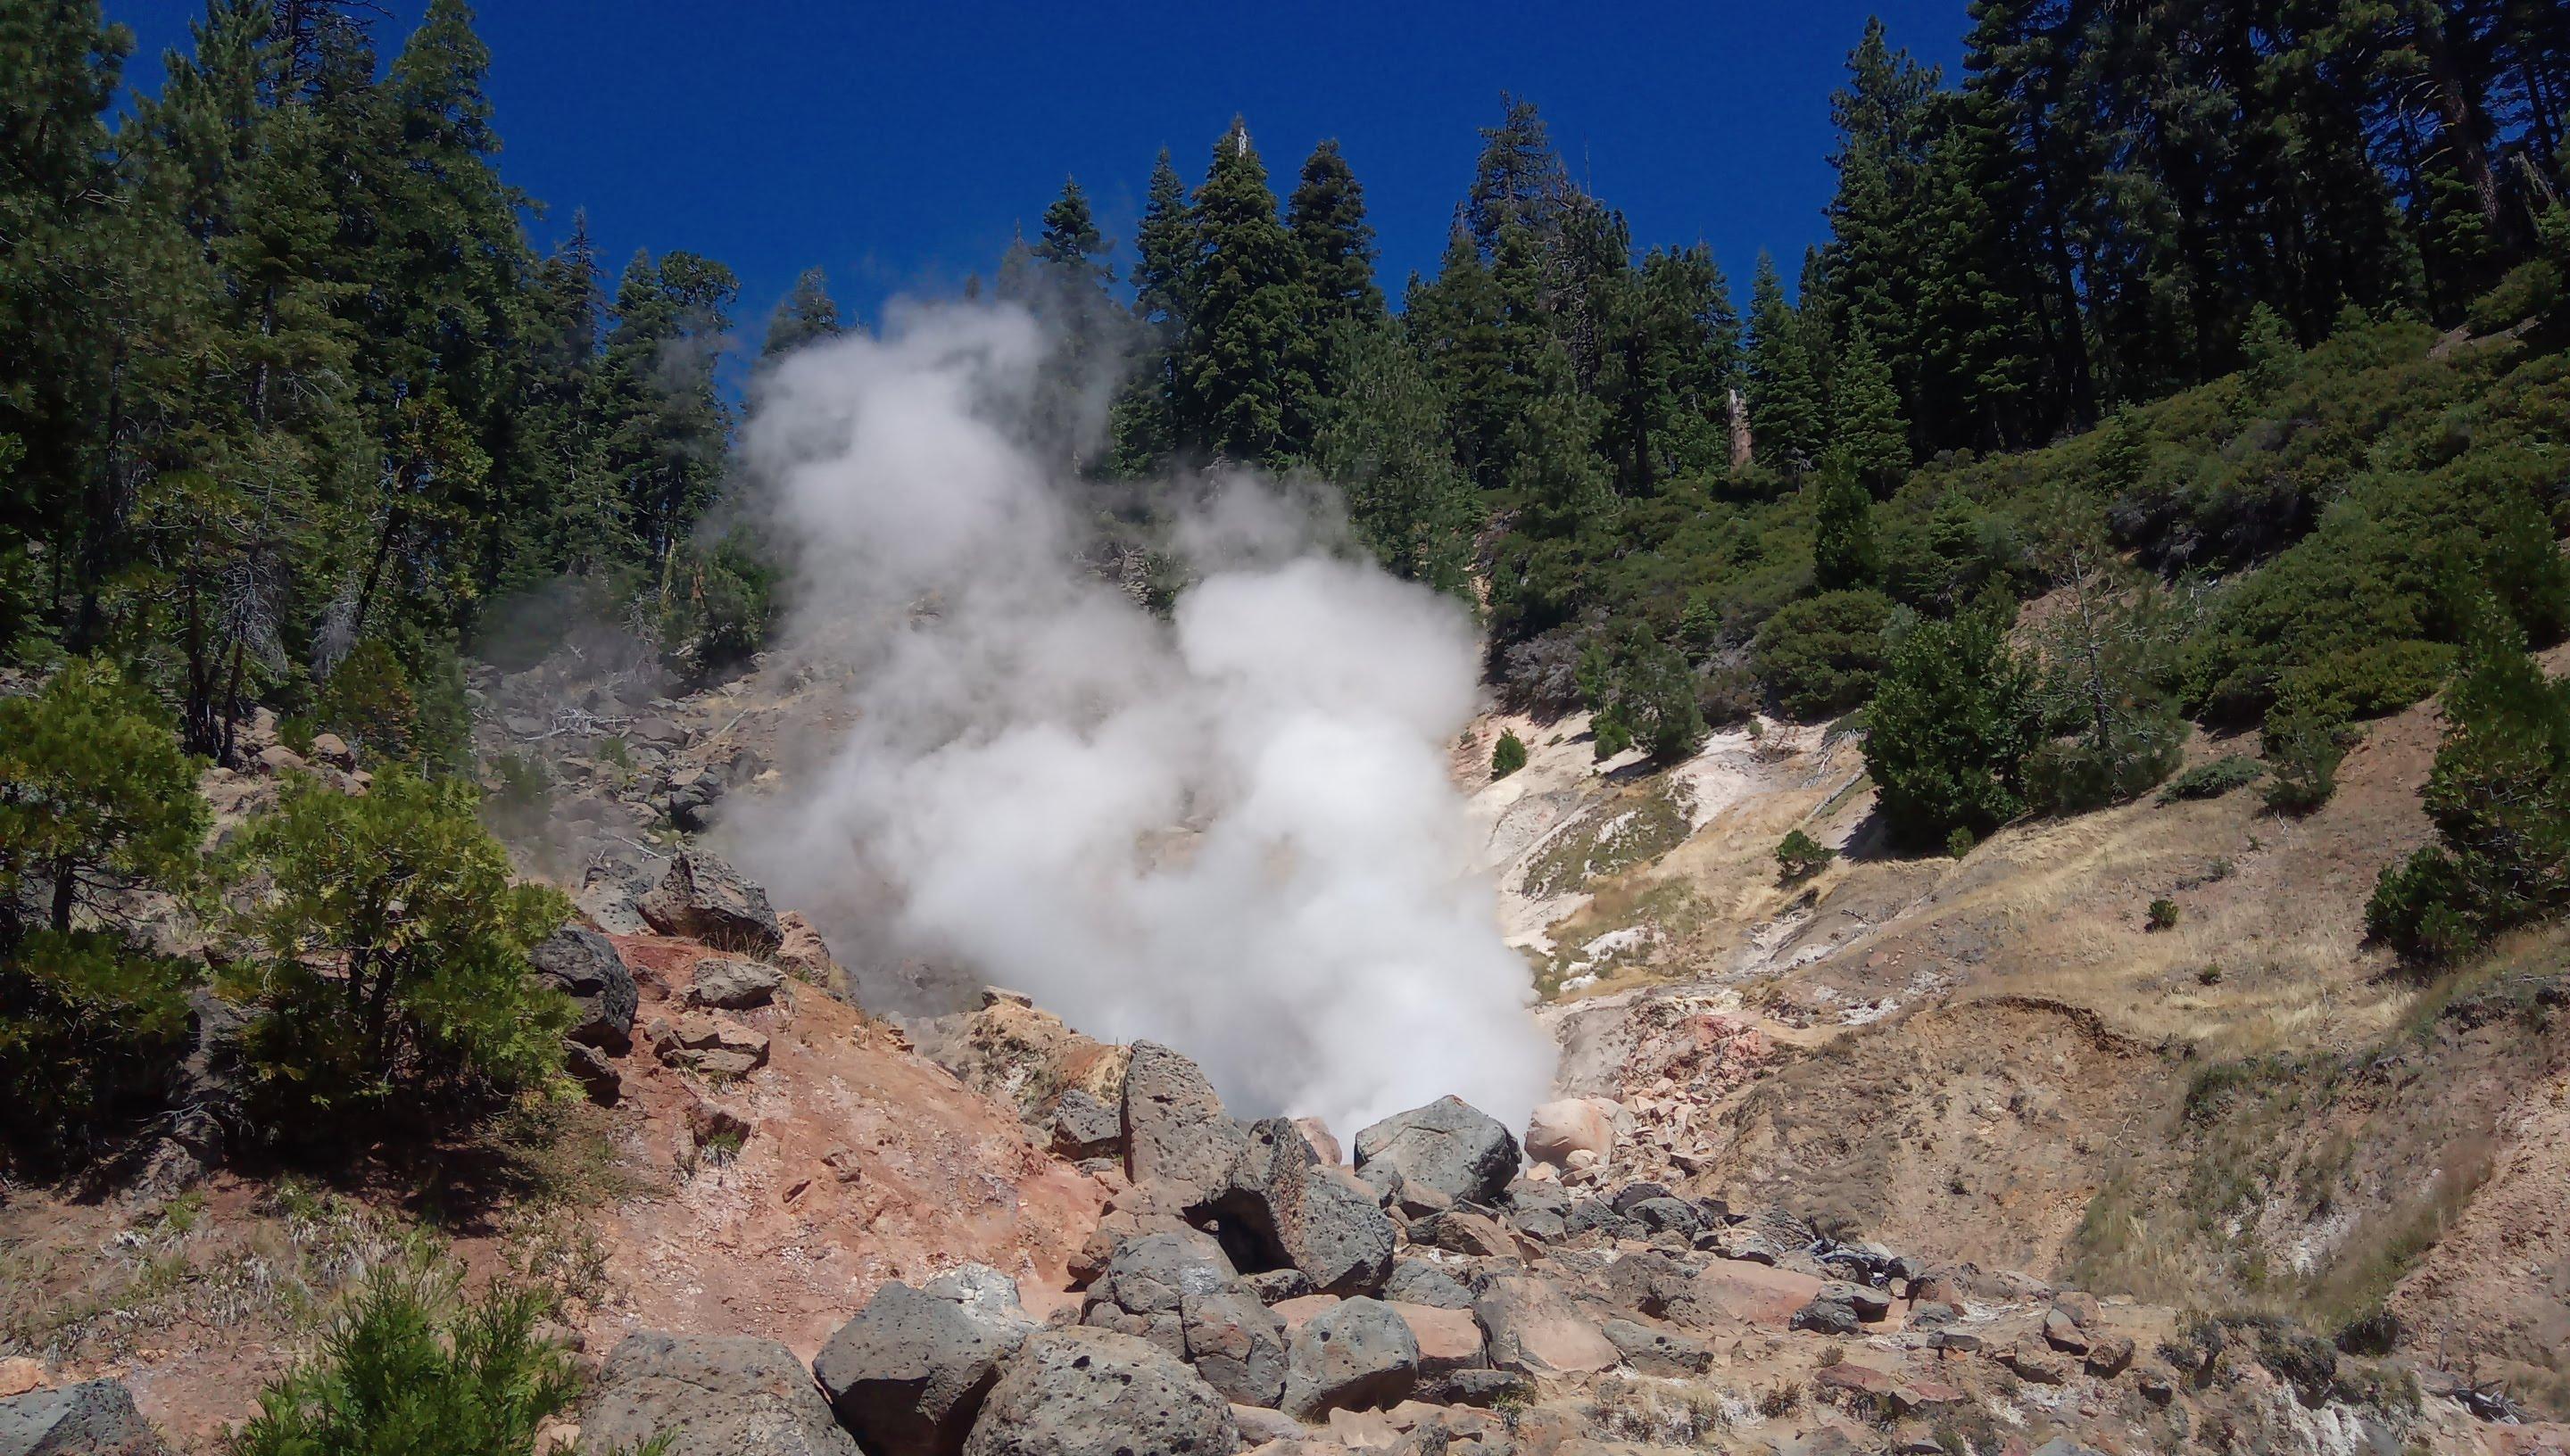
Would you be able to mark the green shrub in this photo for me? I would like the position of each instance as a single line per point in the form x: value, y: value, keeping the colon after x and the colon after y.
x: 1952, y: 720
x: 1960, y: 842
x: 2213, y: 780
x: 1639, y: 691
x: 1800, y: 856
x: 2073, y: 775
x: 2303, y: 742
x: 2531, y: 290
x: 2499, y: 796
x: 395, y: 976
x: 414, y: 1369
x: 94, y: 797
x: 1817, y: 657
x: 716, y: 606
x: 367, y: 701
x: 2162, y: 915
x: 1507, y: 755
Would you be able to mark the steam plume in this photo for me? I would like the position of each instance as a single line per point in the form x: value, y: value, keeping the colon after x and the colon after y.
x: 1231, y: 832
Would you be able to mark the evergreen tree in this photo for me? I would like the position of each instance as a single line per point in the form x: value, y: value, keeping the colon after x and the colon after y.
x: 1146, y: 418
x: 808, y: 315
x: 1843, y: 550
x: 1327, y: 216
x: 1947, y: 736
x: 1085, y: 324
x: 1383, y: 440
x: 1866, y: 417
x: 1458, y: 324
x: 1783, y: 390
x: 663, y: 425
x: 1519, y: 180
x: 2499, y: 796
x: 1245, y: 370
x: 1672, y: 356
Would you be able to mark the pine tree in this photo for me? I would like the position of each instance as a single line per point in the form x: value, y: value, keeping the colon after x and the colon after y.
x: 1383, y: 440
x: 1245, y: 370
x: 1327, y: 215
x: 1947, y: 736
x: 663, y: 425
x: 1866, y: 417
x: 1784, y: 392
x: 1519, y: 180
x: 1843, y: 550
x: 1327, y: 219
x: 1144, y: 421
x: 1671, y: 358
x: 808, y: 315
x: 1458, y: 324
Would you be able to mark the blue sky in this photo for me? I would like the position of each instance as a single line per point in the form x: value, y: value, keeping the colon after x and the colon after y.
x: 897, y: 146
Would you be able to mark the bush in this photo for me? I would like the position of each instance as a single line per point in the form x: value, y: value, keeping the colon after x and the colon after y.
x: 2073, y: 775
x: 95, y: 798
x: 395, y: 976
x: 1819, y: 657
x: 2499, y: 796
x: 1640, y: 693
x: 1961, y: 843
x: 2303, y: 743
x: 1542, y: 674
x: 717, y: 608
x: 1507, y: 755
x: 412, y: 1369
x: 94, y: 795
x: 2530, y: 290
x: 2162, y: 915
x: 1952, y: 720
x: 2213, y: 780
x: 367, y: 701
x: 1800, y: 856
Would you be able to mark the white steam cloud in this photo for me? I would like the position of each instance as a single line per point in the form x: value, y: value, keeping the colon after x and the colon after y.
x: 1233, y: 832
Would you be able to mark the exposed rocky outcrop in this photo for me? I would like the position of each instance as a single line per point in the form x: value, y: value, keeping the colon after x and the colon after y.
x: 1178, y: 1141
x: 703, y: 897
x: 710, y: 1395
x: 1096, y: 1392
x: 96, y: 1418
x: 910, y: 1372
x: 1449, y: 1148
x: 584, y: 965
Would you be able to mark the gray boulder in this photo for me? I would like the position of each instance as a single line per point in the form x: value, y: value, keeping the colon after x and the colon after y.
x: 1356, y: 1354
x: 594, y: 1073
x: 1449, y: 1145
x: 1536, y: 1332
x: 1083, y: 1127
x: 1177, y: 1137
x: 1292, y: 1210
x: 1667, y: 1216
x: 734, y: 985
x: 584, y: 965
x: 1653, y: 1351
x: 1236, y: 1344
x: 711, y: 1396
x: 1417, y: 1281
x: 611, y: 901
x: 909, y: 1373
x: 1825, y: 1315
x: 1144, y: 1289
x: 700, y: 896
x: 1094, y: 1392
x: 96, y: 1418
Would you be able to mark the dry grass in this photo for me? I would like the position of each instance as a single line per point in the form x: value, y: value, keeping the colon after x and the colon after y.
x: 279, y: 1265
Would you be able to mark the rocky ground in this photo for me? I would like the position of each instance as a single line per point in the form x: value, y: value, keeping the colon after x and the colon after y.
x: 1910, y: 1155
